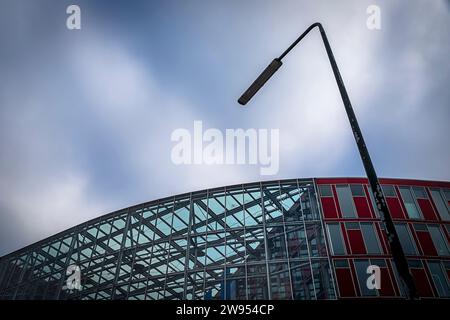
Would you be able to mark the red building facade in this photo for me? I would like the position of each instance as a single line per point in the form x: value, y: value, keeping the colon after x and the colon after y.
x: 357, y: 238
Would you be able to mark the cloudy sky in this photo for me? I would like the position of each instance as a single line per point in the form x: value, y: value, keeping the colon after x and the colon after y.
x: 86, y: 115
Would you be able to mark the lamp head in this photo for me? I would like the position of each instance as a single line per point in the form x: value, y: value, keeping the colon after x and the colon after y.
x: 260, y: 81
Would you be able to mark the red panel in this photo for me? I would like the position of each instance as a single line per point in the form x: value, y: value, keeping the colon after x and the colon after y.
x: 395, y: 208
x: 426, y: 243
x: 356, y: 242
x: 387, y: 288
x: 427, y: 209
x: 422, y: 284
x: 345, y: 282
x: 362, y: 208
x: 329, y: 209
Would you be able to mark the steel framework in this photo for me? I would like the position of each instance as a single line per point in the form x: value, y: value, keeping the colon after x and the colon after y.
x: 251, y: 241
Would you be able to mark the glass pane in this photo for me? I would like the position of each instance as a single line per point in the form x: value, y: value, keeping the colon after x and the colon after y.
x: 438, y: 239
x: 236, y: 284
x: 323, y: 283
x: 165, y: 222
x: 296, y: 237
x: 272, y: 208
x: 289, y: 199
x: 216, y: 204
x: 252, y: 206
x: 388, y: 190
x: 370, y: 238
x: 215, y: 251
x: 405, y: 239
x: 439, y: 278
x: 276, y: 243
x: 325, y: 190
x: 316, y: 239
x: 197, y: 251
x: 357, y: 190
x: 280, y: 284
x: 337, y: 244
x: 420, y: 193
x: 257, y: 282
x: 195, y: 285
x: 177, y: 256
x: 314, y: 204
x: 199, y: 217
x: 255, y: 244
x: 180, y: 220
x: 440, y: 204
x: 420, y: 227
x: 341, y: 264
x: 410, y: 205
x: 119, y: 224
x: 235, y: 249
x: 309, y: 203
x: 235, y: 210
x: 361, y: 272
x: 345, y: 201
x: 302, y: 280
x: 447, y: 194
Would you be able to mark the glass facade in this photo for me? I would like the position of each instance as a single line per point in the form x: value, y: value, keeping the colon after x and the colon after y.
x: 267, y: 240
x: 254, y: 241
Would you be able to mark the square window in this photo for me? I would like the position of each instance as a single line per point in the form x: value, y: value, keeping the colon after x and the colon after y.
x: 420, y: 227
x: 341, y: 263
x: 388, y: 190
x: 357, y: 190
x: 325, y: 190
x: 352, y: 225
x: 420, y: 193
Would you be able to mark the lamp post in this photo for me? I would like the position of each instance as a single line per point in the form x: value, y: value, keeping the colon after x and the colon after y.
x: 394, y: 242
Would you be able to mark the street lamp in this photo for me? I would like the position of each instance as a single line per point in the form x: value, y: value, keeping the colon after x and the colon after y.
x: 396, y: 248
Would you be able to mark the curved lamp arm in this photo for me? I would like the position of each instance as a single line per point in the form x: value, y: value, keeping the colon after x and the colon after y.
x: 397, y: 251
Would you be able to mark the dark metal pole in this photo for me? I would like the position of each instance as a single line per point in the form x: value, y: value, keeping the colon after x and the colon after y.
x: 394, y: 242
x: 396, y: 248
